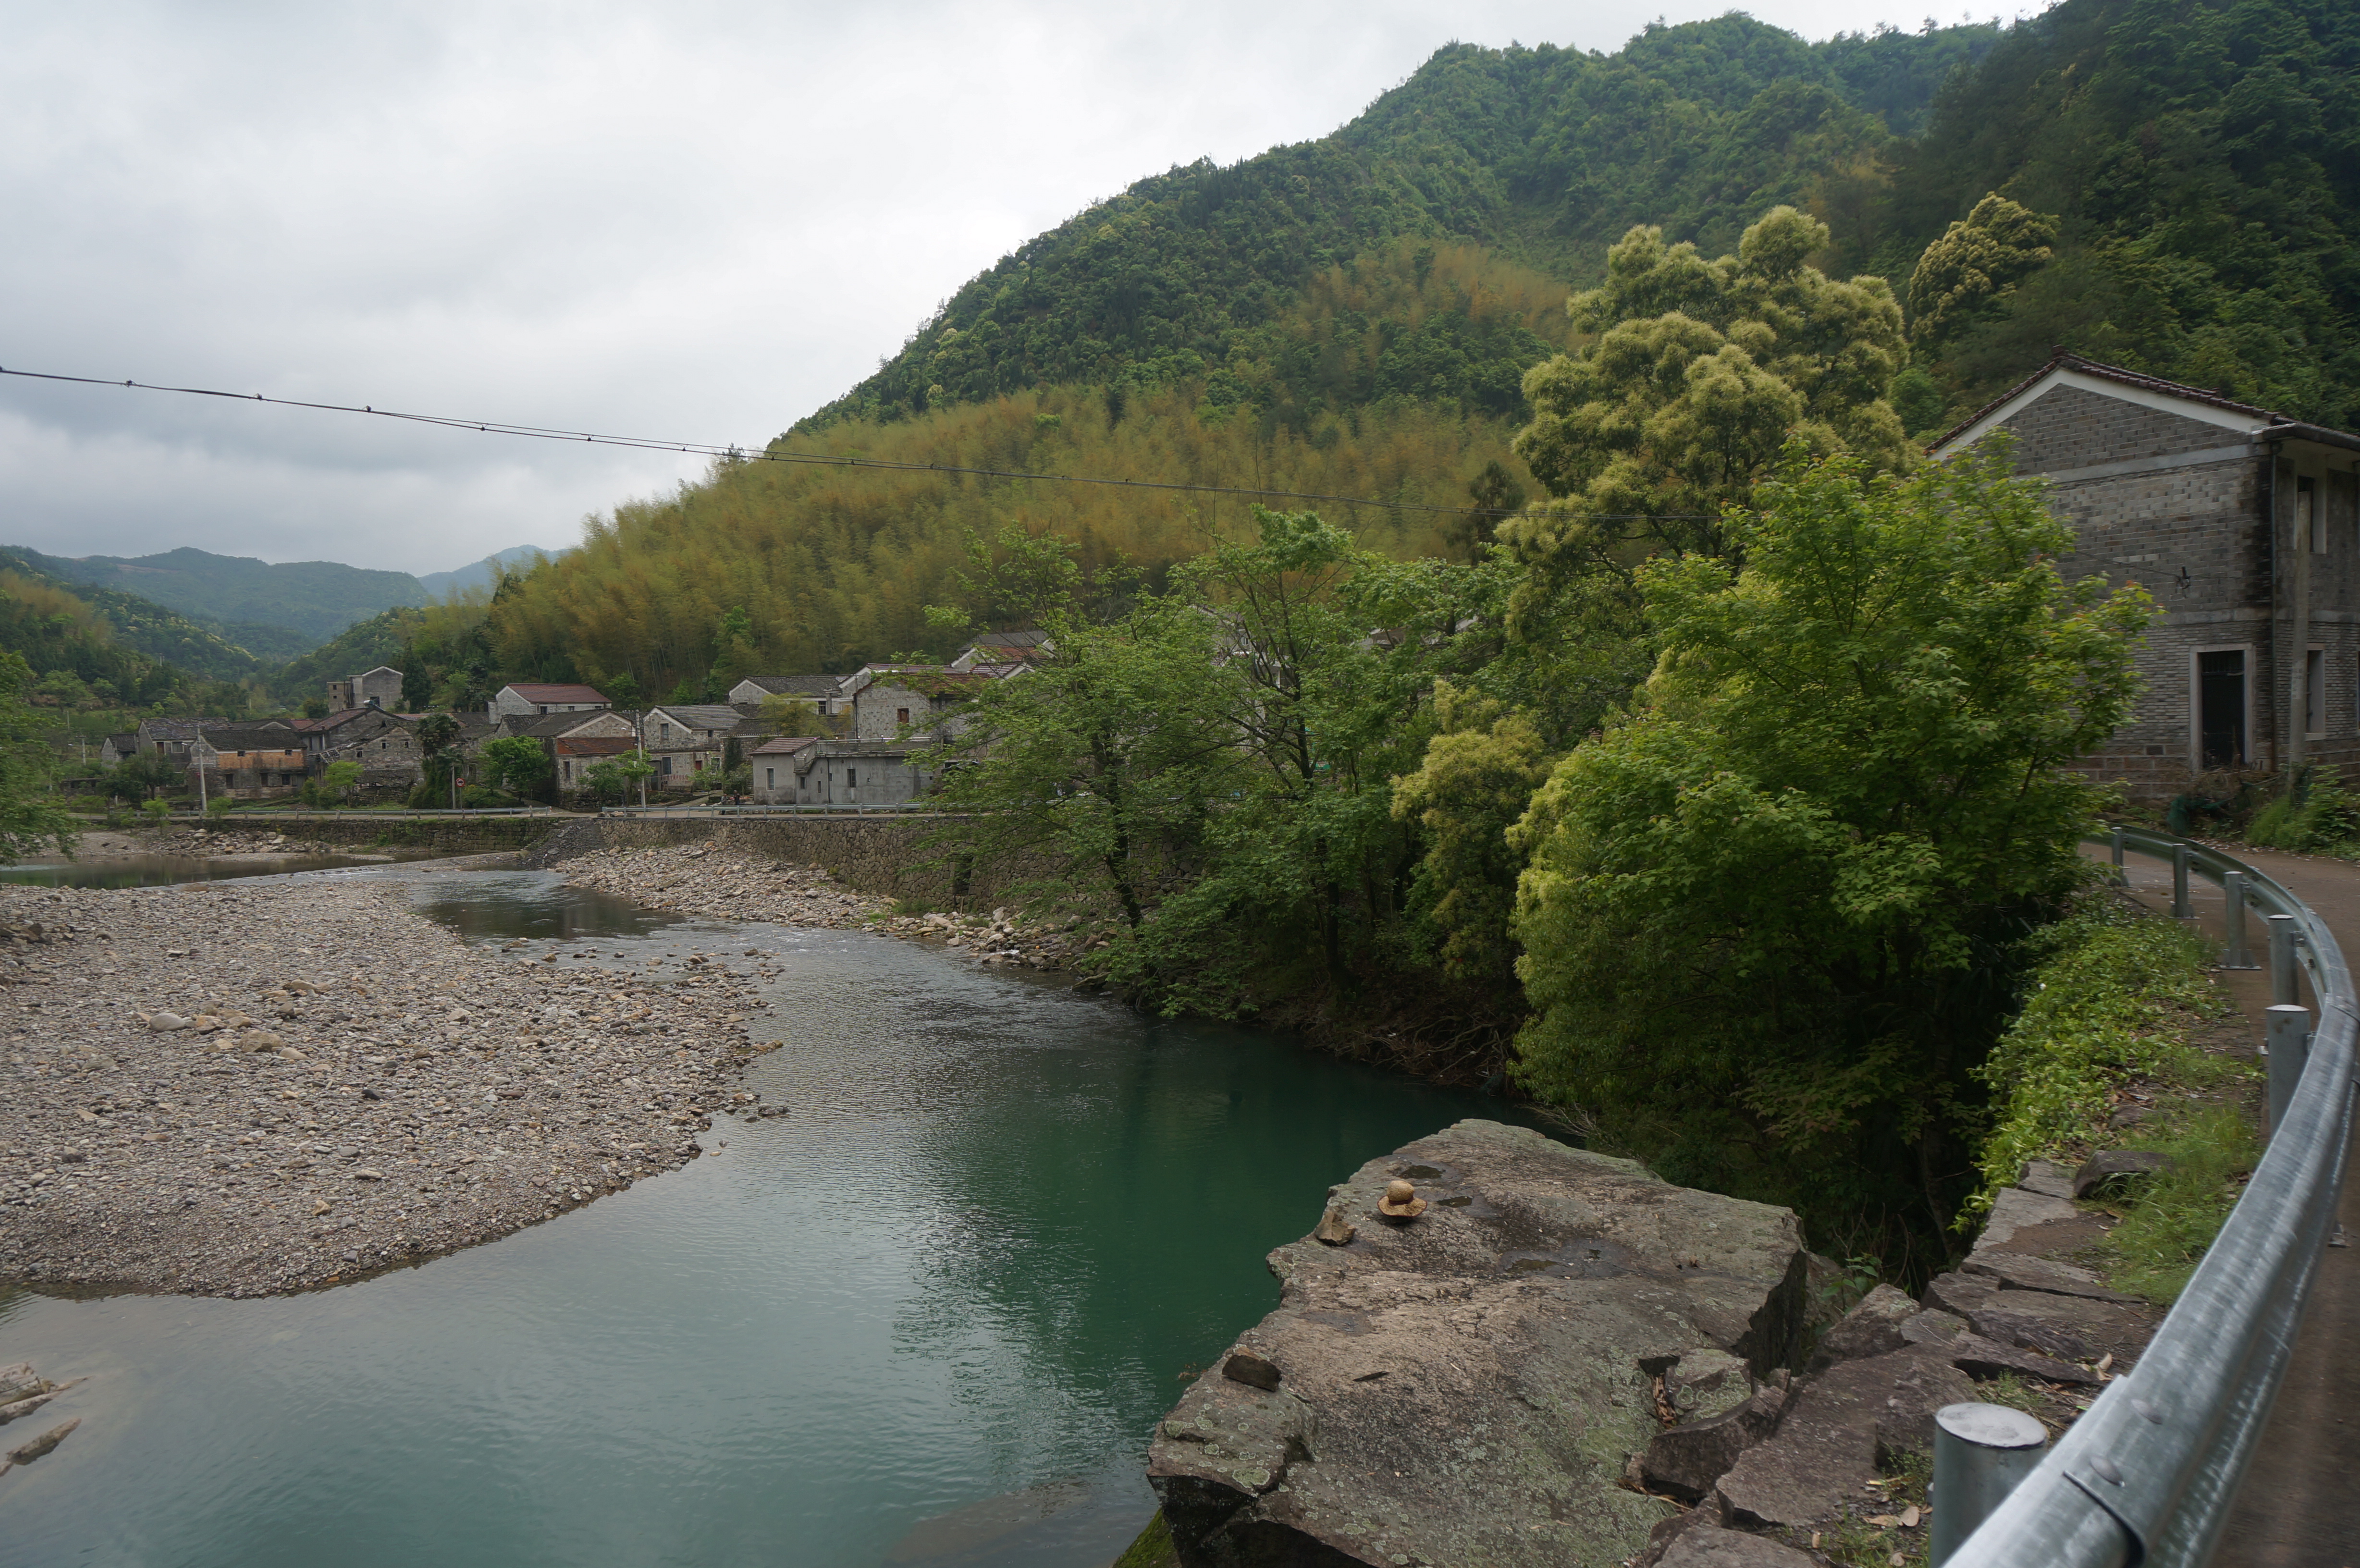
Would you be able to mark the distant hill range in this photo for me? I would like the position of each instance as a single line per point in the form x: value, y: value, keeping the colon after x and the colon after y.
x: 250, y: 600
x: 479, y: 575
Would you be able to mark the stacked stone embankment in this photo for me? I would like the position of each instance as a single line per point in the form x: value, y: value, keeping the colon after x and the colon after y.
x: 730, y: 882
x: 1561, y: 1359
x: 231, y: 1090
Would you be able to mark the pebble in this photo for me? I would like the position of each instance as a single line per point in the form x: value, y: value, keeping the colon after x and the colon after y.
x: 723, y: 883
x: 414, y: 1094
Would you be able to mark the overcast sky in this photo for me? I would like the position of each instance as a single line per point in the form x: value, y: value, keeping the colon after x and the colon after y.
x: 693, y: 221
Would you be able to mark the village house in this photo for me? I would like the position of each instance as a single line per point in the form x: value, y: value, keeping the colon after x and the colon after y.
x: 382, y: 741
x: 171, y: 738
x: 554, y: 730
x: 117, y: 748
x: 863, y: 773
x: 533, y: 699
x: 827, y: 694
x: 780, y: 765
x: 246, y: 762
x: 2242, y: 524
x: 998, y: 653
x: 380, y: 688
x: 686, y: 740
x: 922, y: 703
x: 574, y: 755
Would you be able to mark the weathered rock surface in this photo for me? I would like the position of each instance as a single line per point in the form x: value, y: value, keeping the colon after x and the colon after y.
x: 1839, y: 1428
x: 1706, y: 1547
x: 2018, y: 1272
x: 1686, y: 1460
x: 2069, y: 1327
x: 1471, y: 1386
x: 2018, y: 1208
x: 1872, y: 1328
x: 2046, y: 1177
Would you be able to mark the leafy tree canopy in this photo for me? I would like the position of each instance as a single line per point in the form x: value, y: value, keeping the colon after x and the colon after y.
x: 1765, y: 917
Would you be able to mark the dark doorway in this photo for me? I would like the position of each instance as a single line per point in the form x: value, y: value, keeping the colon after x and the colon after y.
x: 2220, y: 708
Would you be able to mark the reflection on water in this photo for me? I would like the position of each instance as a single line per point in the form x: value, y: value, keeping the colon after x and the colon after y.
x: 162, y: 870
x: 532, y: 904
x: 928, y: 1317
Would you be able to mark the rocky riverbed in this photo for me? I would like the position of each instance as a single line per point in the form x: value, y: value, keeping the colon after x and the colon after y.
x: 233, y: 1090
x: 723, y: 883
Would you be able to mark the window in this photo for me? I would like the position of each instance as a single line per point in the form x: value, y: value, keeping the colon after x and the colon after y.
x: 2314, y: 694
x: 544, y: 707
x: 769, y: 778
x: 851, y: 778
x: 901, y: 715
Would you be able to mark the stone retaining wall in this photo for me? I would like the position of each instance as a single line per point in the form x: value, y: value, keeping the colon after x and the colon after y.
x: 363, y: 830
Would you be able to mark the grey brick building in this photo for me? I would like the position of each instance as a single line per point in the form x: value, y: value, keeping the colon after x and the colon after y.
x: 2242, y: 524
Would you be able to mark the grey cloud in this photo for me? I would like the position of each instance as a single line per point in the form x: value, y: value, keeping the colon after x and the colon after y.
x: 688, y: 221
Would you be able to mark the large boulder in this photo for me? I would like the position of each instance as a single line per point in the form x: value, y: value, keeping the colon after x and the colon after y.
x: 1470, y: 1386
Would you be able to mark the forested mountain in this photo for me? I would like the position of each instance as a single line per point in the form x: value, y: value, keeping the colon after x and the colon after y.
x: 1352, y: 315
x: 104, y: 647
x: 315, y: 599
x: 480, y: 573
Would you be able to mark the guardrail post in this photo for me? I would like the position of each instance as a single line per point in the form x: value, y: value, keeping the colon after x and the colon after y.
x: 1981, y: 1452
x: 2287, y: 1037
x: 2232, y: 897
x: 2282, y: 981
x: 2181, y: 910
x: 2119, y: 877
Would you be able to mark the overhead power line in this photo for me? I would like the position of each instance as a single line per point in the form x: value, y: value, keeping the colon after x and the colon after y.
x: 820, y: 459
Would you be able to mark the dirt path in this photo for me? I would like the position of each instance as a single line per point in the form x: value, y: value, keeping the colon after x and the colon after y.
x: 2295, y: 1509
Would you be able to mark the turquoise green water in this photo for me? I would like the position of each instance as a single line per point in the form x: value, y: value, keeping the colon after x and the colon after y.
x: 929, y: 1317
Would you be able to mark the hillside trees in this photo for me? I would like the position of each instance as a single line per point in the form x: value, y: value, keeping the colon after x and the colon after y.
x: 1766, y: 915
x: 33, y: 820
x: 1216, y: 765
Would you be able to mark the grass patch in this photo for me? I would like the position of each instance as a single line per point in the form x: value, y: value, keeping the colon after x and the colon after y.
x: 2178, y: 1211
x: 2115, y: 999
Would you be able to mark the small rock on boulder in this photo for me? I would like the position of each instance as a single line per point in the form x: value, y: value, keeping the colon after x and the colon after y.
x: 2118, y: 1168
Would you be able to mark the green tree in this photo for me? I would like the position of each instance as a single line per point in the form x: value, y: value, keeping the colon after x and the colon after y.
x: 611, y: 783
x: 1977, y: 263
x: 1766, y: 915
x: 32, y: 819
x: 338, y: 780
x: 1104, y: 762
x: 1701, y: 373
x: 439, y: 761
x: 517, y: 765
x: 144, y: 773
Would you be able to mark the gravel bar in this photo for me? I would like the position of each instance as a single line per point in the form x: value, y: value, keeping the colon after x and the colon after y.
x: 725, y: 883
x: 237, y: 1090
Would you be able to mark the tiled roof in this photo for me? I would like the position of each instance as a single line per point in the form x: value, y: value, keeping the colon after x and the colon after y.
x: 537, y: 692
x: 928, y: 679
x: 797, y: 685
x: 699, y: 716
x: 2060, y: 360
x: 593, y: 746
x: 783, y: 745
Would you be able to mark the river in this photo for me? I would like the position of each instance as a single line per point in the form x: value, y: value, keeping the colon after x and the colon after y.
x: 928, y: 1317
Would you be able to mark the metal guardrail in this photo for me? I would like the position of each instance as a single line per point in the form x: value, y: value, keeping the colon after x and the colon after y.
x: 2148, y: 1474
